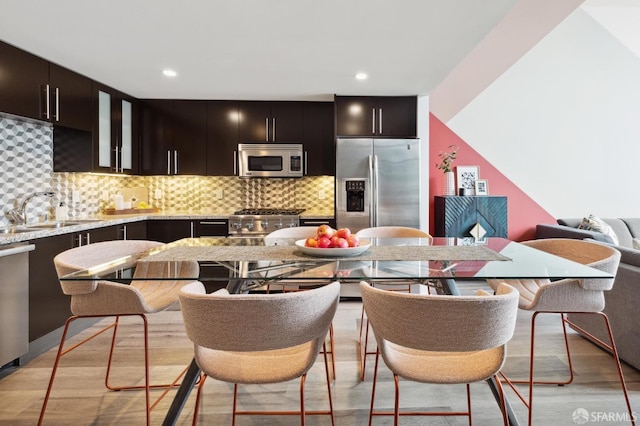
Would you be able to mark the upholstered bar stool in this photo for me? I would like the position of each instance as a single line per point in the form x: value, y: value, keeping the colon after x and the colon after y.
x: 580, y: 296
x: 382, y: 232
x: 100, y: 298
x: 259, y: 338
x: 300, y: 232
x: 482, y: 325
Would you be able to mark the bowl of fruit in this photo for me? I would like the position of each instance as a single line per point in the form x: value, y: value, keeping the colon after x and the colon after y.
x: 330, y: 242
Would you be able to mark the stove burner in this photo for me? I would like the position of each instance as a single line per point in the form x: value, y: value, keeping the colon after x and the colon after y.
x: 269, y: 211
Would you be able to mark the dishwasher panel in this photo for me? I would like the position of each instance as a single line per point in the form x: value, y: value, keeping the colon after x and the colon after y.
x: 14, y: 301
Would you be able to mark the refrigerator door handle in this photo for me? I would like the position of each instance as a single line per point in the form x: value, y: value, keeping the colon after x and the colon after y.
x: 375, y: 190
x: 372, y: 210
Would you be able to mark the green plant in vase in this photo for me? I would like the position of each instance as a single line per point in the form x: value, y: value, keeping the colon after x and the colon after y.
x: 446, y: 165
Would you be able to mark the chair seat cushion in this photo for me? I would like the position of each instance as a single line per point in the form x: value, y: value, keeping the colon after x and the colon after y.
x: 256, y: 367
x: 442, y: 367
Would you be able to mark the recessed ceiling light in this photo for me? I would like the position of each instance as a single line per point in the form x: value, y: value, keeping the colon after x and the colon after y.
x: 169, y: 73
x: 361, y: 76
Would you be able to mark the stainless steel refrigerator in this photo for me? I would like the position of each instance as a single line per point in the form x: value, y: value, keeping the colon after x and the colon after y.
x: 377, y: 183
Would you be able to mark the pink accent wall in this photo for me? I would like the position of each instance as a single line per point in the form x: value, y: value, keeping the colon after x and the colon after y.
x: 523, y: 213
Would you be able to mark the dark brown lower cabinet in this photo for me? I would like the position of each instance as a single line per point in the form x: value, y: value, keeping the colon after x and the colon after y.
x: 48, y: 305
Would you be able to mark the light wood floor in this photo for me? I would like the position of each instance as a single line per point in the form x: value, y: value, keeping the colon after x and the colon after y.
x: 79, y: 396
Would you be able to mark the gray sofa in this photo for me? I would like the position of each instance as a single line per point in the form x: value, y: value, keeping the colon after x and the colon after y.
x: 623, y: 300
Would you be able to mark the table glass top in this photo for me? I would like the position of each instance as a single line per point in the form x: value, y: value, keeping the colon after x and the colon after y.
x: 385, y: 259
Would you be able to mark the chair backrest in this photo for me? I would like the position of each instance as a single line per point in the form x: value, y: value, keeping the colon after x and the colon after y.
x: 392, y: 232
x: 441, y: 323
x: 596, y: 255
x: 297, y: 232
x: 84, y: 257
x: 257, y: 322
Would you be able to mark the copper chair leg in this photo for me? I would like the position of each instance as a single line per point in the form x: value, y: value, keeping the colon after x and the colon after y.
x: 326, y: 370
x: 196, y: 409
x: 373, y: 387
x: 302, y: 416
x: 396, y: 405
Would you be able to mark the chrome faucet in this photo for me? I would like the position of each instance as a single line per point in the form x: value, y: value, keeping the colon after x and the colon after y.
x: 19, y: 215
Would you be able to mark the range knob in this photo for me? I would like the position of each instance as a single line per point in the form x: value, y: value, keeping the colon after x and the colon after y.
x: 265, y: 224
x: 250, y: 226
x: 278, y: 225
x: 237, y: 225
x: 293, y: 224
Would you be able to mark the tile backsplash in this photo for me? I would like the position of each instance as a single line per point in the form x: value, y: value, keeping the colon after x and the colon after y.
x: 26, y: 149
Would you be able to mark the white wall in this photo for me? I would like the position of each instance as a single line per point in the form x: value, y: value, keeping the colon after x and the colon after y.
x: 563, y: 123
x: 423, y: 134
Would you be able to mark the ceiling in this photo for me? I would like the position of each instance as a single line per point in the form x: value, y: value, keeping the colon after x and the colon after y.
x: 254, y: 49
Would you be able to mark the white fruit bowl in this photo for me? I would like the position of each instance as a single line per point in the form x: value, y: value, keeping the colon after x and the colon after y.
x: 333, y: 252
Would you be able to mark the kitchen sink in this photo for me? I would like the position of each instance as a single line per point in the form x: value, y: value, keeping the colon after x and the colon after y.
x: 6, y: 231
x: 61, y: 224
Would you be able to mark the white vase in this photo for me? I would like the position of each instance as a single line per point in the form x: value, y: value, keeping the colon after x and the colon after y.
x: 449, y: 184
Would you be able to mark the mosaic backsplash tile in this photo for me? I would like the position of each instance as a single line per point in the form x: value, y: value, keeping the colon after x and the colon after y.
x: 26, y: 150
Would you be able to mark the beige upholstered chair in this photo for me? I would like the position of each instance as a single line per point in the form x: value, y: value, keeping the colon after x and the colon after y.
x: 414, y: 335
x: 300, y: 232
x: 259, y: 338
x: 382, y: 232
x: 584, y: 296
x: 100, y: 298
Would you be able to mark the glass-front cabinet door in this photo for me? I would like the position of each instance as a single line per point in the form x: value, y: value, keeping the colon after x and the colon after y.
x: 116, y: 128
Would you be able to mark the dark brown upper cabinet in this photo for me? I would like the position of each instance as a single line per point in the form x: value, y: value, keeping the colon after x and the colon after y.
x: 173, y: 137
x: 222, y: 138
x: 32, y: 87
x: 278, y: 121
x: 23, y: 78
x: 318, y: 139
x: 376, y: 116
x: 115, y: 131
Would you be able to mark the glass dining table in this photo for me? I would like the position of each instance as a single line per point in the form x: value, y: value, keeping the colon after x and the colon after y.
x: 247, y: 264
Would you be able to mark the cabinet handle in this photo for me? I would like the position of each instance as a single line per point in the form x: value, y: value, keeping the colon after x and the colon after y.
x: 373, y: 121
x: 306, y: 164
x: 213, y: 223
x: 192, y: 229
x: 124, y: 232
x: 273, y: 129
x: 47, y: 107
x: 235, y: 163
x: 315, y: 222
x: 169, y: 162
x: 57, y: 104
x: 88, y: 238
x: 117, y: 150
x: 380, y: 120
x: 266, y: 129
x: 175, y: 161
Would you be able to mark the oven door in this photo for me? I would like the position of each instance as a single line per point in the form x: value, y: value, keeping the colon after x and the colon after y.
x: 270, y: 160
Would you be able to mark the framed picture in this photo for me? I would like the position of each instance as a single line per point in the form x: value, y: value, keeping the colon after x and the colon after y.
x: 482, y: 187
x: 466, y: 177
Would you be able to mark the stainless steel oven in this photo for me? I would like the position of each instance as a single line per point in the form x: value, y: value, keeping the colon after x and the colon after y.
x: 261, y: 222
x: 270, y: 160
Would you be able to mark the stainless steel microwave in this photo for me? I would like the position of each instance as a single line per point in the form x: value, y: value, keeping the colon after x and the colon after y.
x: 270, y: 160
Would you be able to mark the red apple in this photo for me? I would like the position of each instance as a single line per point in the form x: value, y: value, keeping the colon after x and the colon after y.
x: 311, y: 242
x: 324, y: 242
x: 353, y: 240
x: 343, y: 233
x: 341, y: 243
x: 325, y: 231
x: 334, y: 241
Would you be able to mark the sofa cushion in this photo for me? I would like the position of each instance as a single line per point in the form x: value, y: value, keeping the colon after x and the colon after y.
x: 633, y: 224
x: 594, y: 223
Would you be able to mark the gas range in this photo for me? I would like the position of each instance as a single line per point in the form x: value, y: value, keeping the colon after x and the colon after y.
x: 260, y: 222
